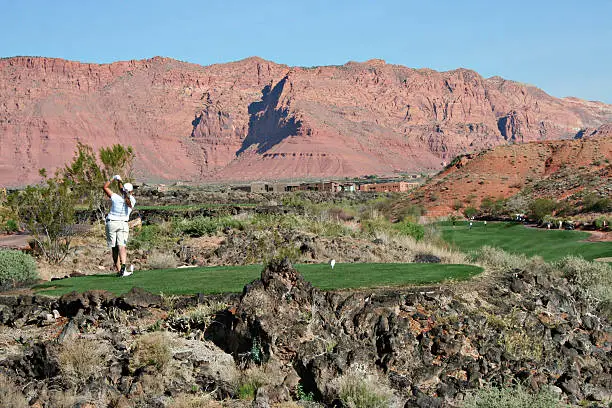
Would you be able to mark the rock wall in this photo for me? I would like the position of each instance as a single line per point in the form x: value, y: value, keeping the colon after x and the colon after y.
x: 430, y: 345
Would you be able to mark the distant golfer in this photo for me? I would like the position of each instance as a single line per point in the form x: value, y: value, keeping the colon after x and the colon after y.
x: 471, y: 224
x: 117, y: 229
x: 332, y: 263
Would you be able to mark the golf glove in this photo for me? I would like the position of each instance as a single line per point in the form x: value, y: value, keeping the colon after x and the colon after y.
x: 117, y: 177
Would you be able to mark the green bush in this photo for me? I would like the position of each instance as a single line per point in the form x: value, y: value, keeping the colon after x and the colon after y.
x: 410, y: 229
x: 203, y: 226
x: 373, y: 225
x: 11, y: 226
x: 410, y: 212
x: 273, y: 221
x: 148, y: 237
x: 511, y: 397
x: 16, y: 267
x: 470, y: 212
x: 541, y: 207
x: 601, y: 223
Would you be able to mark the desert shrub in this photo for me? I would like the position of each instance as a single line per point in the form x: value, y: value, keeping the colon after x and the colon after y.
x: 271, y: 244
x: 161, y: 260
x: 340, y: 214
x: 272, y: 221
x: 410, y: 229
x: 328, y: 228
x: 7, y: 215
x: 151, y: 350
x: 457, y: 205
x: 499, y: 260
x: 491, y: 206
x: 147, y: 237
x: 48, y: 211
x: 203, y: 226
x: 10, y: 394
x: 84, y: 175
x: 592, y: 202
x: 372, y: 226
x: 410, y: 212
x: 360, y: 389
x: 199, y: 226
x: 511, y: 397
x: 80, y: 361
x: 198, y: 317
x: 16, y: 268
x: 296, y: 199
x: 595, y: 278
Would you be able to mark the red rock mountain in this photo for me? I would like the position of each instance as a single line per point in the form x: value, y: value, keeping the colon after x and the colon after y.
x: 254, y: 119
x: 553, y: 169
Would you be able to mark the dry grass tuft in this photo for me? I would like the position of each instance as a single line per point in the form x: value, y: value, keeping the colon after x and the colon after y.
x: 151, y: 350
x: 60, y: 399
x: 194, y: 401
x: 363, y: 388
x: 161, y: 260
x: 10, y: 394
x: 446, y: 255
x: 80, y: 361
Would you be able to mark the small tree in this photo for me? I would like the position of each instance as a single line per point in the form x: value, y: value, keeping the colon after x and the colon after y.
x: 117, y: 160
x: 470, y: 212
x: 86, y: 177
x: 541, y: 207
x: 48, y: 211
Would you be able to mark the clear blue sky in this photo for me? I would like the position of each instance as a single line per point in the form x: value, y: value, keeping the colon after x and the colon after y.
x: 561, y: 46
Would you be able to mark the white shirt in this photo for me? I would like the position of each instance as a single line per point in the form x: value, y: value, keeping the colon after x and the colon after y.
x: 120, y: 211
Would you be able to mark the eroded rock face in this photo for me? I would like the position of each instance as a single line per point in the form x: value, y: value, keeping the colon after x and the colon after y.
x: 255, y: 119
x: 432, y: 344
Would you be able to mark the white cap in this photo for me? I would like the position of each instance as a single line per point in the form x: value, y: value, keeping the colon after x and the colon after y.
x: 128, y: 187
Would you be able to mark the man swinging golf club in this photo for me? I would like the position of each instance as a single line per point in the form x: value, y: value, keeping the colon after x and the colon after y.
x: 117, y: 229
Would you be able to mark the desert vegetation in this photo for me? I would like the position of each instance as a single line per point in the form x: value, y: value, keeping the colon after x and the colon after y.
x: 234, y: 302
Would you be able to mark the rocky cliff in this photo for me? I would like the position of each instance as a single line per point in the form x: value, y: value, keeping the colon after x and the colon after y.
x: 551, y: 169
x: 254, y: 119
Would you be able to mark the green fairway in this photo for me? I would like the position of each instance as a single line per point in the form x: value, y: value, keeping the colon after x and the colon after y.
x: 516, y: 238
x: 192, y: 207
x: 224, y: 279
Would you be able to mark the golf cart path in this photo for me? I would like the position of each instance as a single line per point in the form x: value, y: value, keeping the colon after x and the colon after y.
x: 15, y: 241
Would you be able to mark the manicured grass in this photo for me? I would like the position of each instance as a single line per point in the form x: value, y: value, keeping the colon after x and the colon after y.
x: 516, y: 238
x: 224, y: 279
x: 191, y: 207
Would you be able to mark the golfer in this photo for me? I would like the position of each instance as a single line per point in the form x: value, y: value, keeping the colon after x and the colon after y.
x: 117, y: 228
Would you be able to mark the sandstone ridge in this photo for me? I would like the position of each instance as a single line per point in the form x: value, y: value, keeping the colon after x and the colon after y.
x: 255, y: 119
